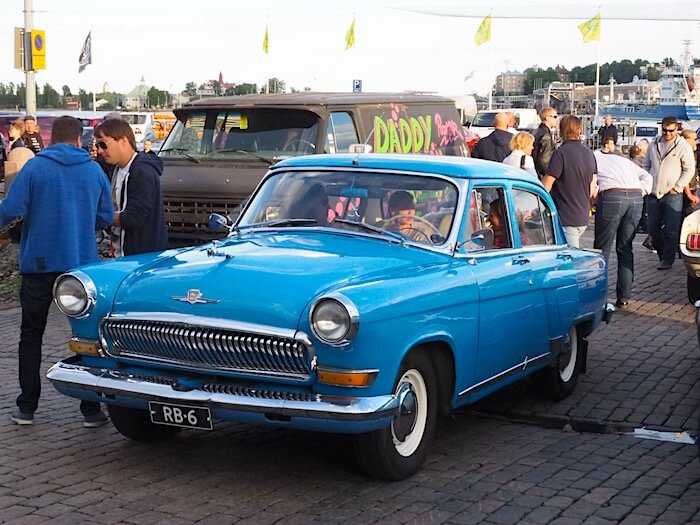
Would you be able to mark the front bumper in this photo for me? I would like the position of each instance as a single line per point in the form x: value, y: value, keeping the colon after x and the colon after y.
x: 309, y: 412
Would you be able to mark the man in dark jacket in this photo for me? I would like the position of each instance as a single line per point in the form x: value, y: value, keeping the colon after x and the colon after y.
x: 495, y: 146
x: 544, y: 143
x: 31, y: 137
x: 608, y: 129
x: 139, y: 219
x: 62, y: 195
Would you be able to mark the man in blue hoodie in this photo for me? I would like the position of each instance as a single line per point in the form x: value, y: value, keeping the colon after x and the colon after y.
x: 62, y: 195
x: 139, y: 220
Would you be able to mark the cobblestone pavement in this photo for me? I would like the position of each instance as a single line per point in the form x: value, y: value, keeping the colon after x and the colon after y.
x: 489, y: 463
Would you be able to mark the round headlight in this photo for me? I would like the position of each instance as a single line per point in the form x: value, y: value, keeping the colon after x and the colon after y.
x: 74, y: 296
x: 334, y: 320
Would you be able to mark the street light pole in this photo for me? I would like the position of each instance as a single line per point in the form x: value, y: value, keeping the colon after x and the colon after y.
x: 30, y: 82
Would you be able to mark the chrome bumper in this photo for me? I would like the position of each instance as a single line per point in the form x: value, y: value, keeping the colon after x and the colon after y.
x: 316, y: 412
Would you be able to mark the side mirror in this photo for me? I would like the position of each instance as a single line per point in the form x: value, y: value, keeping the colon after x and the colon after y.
x: 480, y: 239
x: 218, y: 222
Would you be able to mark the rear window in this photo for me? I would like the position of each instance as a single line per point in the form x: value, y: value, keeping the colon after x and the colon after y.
x: 484, y: 120
x: 135, y: 119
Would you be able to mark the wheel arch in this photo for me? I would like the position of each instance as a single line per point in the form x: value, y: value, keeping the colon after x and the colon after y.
x: 441, y: 357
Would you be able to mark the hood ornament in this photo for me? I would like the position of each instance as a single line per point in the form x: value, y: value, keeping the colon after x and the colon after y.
x: 195, y: 297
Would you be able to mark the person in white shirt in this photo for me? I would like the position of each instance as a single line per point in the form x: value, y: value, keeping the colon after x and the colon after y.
x: 621, y: 189
x: 521, y: 152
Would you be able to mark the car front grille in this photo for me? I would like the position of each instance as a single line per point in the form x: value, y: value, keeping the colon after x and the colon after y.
x: 208, y: 348
x: 187, y: 220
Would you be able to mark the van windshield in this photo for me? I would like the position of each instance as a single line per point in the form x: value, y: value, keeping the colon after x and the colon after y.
x: 484, y: 120
x: 263, y: 133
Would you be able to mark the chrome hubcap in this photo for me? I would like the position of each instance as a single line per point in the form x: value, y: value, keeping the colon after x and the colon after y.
x: 405, y: 419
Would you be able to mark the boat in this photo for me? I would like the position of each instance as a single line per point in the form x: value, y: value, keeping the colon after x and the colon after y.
x: 679, y: 97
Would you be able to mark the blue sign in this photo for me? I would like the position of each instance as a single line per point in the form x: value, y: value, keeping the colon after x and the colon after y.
x: 357, y: 86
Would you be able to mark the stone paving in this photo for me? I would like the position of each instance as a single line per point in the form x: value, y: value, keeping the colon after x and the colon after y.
x: 486, y: 465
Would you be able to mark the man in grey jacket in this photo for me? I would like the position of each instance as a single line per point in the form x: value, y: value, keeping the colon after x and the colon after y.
x: 670, y: 162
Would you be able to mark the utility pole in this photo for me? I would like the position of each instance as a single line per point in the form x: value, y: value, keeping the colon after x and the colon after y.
x: 30, y: 81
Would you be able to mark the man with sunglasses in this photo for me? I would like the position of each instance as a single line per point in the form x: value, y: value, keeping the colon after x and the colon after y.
x: 670, y: 162
x: 544, y: 143
x: 139, y: 219
x: 62, y: 195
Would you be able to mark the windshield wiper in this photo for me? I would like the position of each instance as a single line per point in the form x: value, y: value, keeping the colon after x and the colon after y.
x: 249, y: 153
x: 374, y: 229
x: 272, y: 224
x: 184, y: 154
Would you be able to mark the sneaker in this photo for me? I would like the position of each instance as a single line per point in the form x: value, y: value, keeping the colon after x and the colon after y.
x: 95, y: 420
x: 664, y: 266
x: 22, y: 418
x: 621, y: 303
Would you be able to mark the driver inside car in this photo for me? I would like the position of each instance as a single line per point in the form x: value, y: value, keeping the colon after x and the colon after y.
x: 313, y: 205
x: 402, y: 210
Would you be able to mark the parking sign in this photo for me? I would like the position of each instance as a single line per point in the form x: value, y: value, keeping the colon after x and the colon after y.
x: 357, y: 85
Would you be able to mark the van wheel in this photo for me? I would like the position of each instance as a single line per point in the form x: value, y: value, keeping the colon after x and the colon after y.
x: 398, y: 451
x: 557, y: 382
x: 136, y: 424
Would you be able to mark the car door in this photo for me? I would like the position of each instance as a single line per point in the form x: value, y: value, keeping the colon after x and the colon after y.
x: 507, y: 319
x: 554, y: 284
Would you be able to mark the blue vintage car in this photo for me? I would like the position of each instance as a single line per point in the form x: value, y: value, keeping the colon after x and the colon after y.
x: 360, y: 294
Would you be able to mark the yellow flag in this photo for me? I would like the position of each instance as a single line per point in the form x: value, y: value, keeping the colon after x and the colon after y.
x: 350, y: 36
x: 266, y: 42
x: 590, y: 29
x: 483, y: 34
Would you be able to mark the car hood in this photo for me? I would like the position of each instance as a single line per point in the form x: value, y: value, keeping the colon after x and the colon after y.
x: 266, y: 278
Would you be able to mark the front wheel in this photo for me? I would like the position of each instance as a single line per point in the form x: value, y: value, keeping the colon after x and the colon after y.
x: 557, y: 382
x: 398, y: 451
x: 693, y: 289
x: 136, y: 424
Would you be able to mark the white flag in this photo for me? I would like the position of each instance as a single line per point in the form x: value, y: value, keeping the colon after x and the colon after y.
x: 86, y: 54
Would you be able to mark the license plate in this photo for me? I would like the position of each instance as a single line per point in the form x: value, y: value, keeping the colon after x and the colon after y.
x: 180, y: 415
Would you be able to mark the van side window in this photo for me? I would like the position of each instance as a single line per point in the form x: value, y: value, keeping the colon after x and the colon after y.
x: 341, y: 133
x: 534, y: 219
x: 488, y: 210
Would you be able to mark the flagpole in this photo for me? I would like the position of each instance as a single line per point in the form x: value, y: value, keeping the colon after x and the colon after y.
x: 597, y: 70
x: 491, y: 75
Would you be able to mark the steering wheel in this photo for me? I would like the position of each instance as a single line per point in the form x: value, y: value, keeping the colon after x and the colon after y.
x: 419, y: 219
x: 296, y: 145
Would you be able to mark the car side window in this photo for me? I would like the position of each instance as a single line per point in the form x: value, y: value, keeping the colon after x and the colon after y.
x: 487, y: 210
x: 534, y: 218
x: 341, y: 133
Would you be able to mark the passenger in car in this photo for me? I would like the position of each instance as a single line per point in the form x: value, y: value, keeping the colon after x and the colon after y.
x: 313, y: 204
x: 495, y: 218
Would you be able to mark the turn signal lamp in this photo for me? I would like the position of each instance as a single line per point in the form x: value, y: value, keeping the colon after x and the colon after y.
x: 83, y: 346
x: 351, y: 378
x: 693, y: 242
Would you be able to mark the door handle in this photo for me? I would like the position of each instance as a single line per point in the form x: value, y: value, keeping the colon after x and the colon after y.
x: 521, y: 260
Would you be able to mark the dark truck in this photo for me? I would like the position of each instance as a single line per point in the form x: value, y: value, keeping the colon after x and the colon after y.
x: 220, y: 148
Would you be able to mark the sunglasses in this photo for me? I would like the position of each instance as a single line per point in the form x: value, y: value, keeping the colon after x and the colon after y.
x: 664, y: 130
x: 101, y: 144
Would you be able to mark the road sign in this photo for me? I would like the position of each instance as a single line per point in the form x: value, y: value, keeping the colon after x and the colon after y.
x: 19, y: 48
x: 357, y: 86
x: 38, y: 50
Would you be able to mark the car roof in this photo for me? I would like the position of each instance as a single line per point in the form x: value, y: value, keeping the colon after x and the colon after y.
x: 312, y: 98
x: 459, y: 167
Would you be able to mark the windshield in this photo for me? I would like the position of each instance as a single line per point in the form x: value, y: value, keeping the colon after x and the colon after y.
x: 262, y: 133
x: 407, y: 207
x: 484, y: 120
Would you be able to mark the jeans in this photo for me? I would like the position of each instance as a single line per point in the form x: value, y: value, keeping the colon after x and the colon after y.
x: 617, y: 215
x: 573, y: 235
x: 664, y: 223
x: 35, y: 296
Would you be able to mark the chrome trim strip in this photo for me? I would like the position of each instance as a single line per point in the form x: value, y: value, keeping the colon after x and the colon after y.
x: 517, y: 368
x: 69, y: 376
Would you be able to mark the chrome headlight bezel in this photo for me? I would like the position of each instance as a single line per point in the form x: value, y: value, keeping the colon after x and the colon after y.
x: 88, y: 293
x: 347, y: 311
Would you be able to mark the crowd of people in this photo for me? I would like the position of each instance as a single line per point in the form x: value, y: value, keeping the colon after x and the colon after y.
x: 62, y: 194
x: 652, y: 190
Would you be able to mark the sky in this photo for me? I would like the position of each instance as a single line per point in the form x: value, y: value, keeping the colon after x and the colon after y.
x: 400, y: 45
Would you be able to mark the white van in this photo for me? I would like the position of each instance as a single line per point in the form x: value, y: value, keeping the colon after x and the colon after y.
x: 141, y: 124
x: 526, y: 119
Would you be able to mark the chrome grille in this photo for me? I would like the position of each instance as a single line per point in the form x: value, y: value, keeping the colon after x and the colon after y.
x: 207, y: 348
x: 217, y: 388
